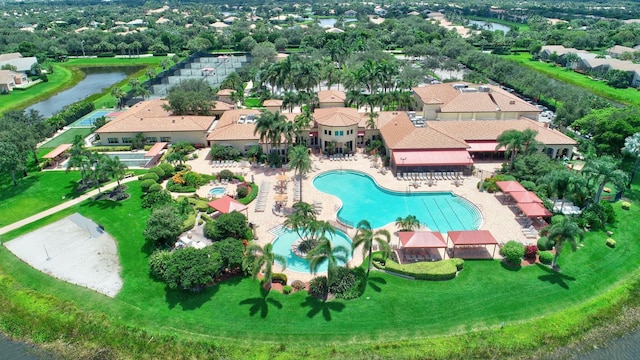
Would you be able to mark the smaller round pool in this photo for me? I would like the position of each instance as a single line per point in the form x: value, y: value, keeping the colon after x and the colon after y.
x: 282, y: 246
x: 217, y: 191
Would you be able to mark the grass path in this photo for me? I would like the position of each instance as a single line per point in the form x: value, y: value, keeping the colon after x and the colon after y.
x: 629, y: 96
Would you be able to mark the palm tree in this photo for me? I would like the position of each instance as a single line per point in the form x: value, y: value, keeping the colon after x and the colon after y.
x: 515, y: 141
x: 564, y: 231
x: 409, y: 223
x: 632, y: 147
x: 303, y: 215
x: 603, y: 170
x: 372, y: 120
x: 265, y: 257
x: 302, y: 121
x: 263, y: 125
x: 300, y: 162
x: 325, y: 251
x: 365, y: 236
x: 115, y: 169
x: 119, y: 94
x: 151, y: 73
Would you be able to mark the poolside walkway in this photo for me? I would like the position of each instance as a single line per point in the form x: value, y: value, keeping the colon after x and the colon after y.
x: 497, y: 218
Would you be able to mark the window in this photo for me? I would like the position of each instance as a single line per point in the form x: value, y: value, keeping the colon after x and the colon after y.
x: 339, y: 133
x: 165, y: 138
x: 329, y: 132
x: 151, y: 139
x: 325, y: 131
x: 126, y: 140
x: 112, y: 140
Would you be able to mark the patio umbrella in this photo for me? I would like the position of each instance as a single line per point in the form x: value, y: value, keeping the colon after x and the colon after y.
x: 280, y: 197
x: 525, y: 197
x: 281, y: 177
x: 534, y: 210
x: 510, y: 186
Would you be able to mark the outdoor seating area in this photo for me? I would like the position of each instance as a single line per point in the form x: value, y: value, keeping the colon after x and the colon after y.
x: 261, y: 199
x: 341, y: 157
x: 528, y: 206
x: 431, y: 178
x: 566, y: 207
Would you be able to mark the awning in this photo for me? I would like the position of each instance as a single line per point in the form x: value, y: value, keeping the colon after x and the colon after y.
x: 432, y: 157
x: 421, y: 239
x: 472, y: 237
x: 227, y: 204
x: 510, y: 186
x: 155, y: 149
x: 57, y: 151
x: 525, y: 197
x: 534, y: 210
x: 484, y: 146
x: 360, y: 133
x: 313, y: 133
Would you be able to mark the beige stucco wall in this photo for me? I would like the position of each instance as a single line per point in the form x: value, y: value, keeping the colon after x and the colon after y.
x: 332, y: 104
x: 338, y: 139
x: 194, y: 137
x: 238, y: 144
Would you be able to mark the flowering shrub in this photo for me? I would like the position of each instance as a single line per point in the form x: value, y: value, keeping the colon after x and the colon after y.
x: 530, y: 252
x: 178, y: 179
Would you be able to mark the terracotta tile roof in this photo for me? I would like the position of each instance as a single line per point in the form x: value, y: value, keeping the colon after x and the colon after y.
x: 150, y: 116
x: 491, y: 129
x: 325, y: 96
x: 466, y: 100
x: 336, y: 116
x: 383, y: 118
x: 227, y: 128
x: 225, y: 92
x: 272, y: 102
x: 400, y: 133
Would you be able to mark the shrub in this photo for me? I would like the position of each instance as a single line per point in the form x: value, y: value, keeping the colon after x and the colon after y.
x: 225, y: 174
x: 611, y: 243
x: 545, y: 257
x: 251, y: 196
x: 155, y: 188
x: 279, y: 278
x: 298, y: 285
x: 242, y: 191
x: 287, y: 289
x: 167, y: 168
x: 530, y: 252
x: 318, y: 287
x: 435, y: 271
x: 342, y: 280
x: 158, y: 263
x: 459, y: 263
x: 158, y: 171
x: 109, y: 148
x: 529, y: 185
x: 155, y: 199
x: 544, y: 244
x: 192, y: 269
x: 145, y: 184
x: 512, y: 251
x: 150, y: 175
x: 626, y: 205
x: 193, y: 179
x: 233, y: 224
x: 174, y: 187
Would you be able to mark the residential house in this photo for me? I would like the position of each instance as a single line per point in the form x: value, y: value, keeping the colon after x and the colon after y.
x: 602, y: 66
x: 618, y: 50
x: 9, y: 79
x: 22, y: 64
x: 331, y: 98
x: 273, y: 105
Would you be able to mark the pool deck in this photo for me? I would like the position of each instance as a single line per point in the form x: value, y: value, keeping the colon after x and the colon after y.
x: 499, y: 219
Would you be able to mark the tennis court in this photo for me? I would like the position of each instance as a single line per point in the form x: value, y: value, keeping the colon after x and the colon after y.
x: 89, y: 119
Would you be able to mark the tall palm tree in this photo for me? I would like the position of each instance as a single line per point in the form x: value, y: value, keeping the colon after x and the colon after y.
x: 265, y: 257
x: 303, y: 215
x: 408, y: 223
x: 562, y: 232
x: 325, y: 251
x: 302, y: 121
x: 365, y: 236
x: 300, y: 162
x: 115, y: 169
x: 515, y: 141
x: 603, y: 170
x: 632, y: 147
x: 263, y: 125
x: 118, y: 94
x: 372, y: 120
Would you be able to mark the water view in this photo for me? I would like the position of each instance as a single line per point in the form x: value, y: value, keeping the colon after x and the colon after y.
x: 97, y: 78
x: 485, y: 25
x: 19, y: 351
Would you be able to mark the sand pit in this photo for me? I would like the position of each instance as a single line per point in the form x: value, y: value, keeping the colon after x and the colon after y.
x: 74, y: 249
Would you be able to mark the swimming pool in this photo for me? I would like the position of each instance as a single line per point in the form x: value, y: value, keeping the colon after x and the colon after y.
x: 363, y: 199
x: 217, y: 191
x: 131, y: 159
x: 282, y: 246
x: 89, y: 119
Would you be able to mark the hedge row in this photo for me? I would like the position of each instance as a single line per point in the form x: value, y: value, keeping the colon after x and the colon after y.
x: 436, y: 270
x: 251, y: 196
x: 109, y: 148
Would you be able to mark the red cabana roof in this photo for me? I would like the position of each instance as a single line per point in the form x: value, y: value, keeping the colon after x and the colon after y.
x: 472, y: 237
x: 421, y: 239
x: 432, y: 157
x: 534, y: 210
x: 57, y: 151
x: 155, y: 149
x: 525, y: 197
x: 227, y: 204
x: 510, y: 186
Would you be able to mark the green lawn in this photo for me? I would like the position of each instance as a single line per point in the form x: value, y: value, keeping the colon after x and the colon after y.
x: 252, y: 102
x: 629, y: 96
x: 66, y: 137
x: 393, y: 315
x: 18, y: 99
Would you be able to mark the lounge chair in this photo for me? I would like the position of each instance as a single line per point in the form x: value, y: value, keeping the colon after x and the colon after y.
x: 399, y: 176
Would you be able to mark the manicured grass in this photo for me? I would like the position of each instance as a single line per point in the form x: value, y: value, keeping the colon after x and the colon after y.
x: 252, y: 102
x: 35, y: 193
x: 407, y: 314
x: 19, y: 99
x: 66, y: 137
x: 629, y: 96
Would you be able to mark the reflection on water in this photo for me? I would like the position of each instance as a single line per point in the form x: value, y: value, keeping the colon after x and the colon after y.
x: 484, y: 25
x: 97, y: 79
x: 19, y: 351
x: 623, y: 348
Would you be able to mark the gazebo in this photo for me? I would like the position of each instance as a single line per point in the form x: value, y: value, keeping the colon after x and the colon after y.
x: 227, y: 204
x: 534, y: 210
x: 413, y: 240
x: 57, y: 154
x: 472, y: 238
x: 510, y: 186
x: 525, y: 197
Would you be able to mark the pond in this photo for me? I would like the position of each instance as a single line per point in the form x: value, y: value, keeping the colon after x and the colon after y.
x: 485, y: 25
x: 14, y: 350
x: 96, y: 79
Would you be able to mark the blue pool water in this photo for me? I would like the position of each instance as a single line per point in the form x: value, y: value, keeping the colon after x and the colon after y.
x: 363, y: 199
x: 282, y: 246
x: 217, y: 191
x: 131, y: 159
x: 89, y: 119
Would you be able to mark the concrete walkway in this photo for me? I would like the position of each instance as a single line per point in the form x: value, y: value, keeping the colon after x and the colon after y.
x: 62, y: 206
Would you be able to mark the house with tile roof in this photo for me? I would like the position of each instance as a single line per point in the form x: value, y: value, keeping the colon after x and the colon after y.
x: 10, y: 79
x: 331, y: 98
x: 235, y: 128
x: 602, y: 66
x: 22, y: 64
x: 617, y: 51
x: 156, y: 124
x: 465, y: 101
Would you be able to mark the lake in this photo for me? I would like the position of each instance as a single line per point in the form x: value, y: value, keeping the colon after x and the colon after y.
x: 491, y: 25
x: 96, y: 79
x: 20, y: 351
